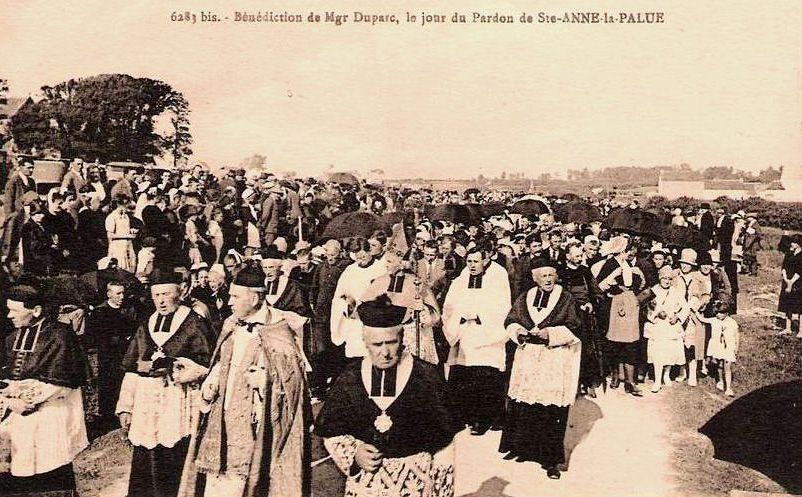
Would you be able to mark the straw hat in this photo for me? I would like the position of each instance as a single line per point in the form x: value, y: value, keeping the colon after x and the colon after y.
x: 688, y: 256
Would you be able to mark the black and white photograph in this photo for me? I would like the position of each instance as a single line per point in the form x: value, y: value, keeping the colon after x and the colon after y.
x: 400, y: 249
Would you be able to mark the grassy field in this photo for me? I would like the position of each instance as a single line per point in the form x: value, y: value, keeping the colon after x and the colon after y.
x: 764, y: 358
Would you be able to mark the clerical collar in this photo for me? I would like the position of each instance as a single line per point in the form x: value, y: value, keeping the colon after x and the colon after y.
x: 108, y: 302
x: 396, y: 282
x: 475, y: 281
x: 382, y: 381
x: 272, y: 286
x: 164, y: 322
x: 257, y: 318
x: 541, y: 299
x: 27, y: 337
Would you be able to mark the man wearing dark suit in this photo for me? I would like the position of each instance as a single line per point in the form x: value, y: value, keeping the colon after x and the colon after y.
x: 725, y: 228
x: 73, y: 180
x: 707, y: 223
x: 554, y: 252
x: 18, y: 184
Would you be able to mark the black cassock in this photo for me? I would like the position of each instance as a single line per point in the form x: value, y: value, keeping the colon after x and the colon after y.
x: 421, y: 426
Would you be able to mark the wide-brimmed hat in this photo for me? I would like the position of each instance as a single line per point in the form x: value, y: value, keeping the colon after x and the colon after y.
x: 688, y: 256
x: 704, y: 259
x: 301, y: 245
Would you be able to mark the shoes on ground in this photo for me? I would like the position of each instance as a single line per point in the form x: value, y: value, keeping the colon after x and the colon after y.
x: 553, y: 473
x: 632, y: 390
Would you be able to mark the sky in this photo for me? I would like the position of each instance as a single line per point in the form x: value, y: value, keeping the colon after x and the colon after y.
x: 717, y: 84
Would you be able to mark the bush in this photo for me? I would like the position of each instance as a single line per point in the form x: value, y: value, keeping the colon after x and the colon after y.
x: 786, y: 215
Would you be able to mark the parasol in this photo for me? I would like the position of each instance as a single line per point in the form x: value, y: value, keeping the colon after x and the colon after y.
x: 471, y: 191
x: 352, y: 224
x: 577, y: 212
x: 762, y: 430
x: 529, y: 207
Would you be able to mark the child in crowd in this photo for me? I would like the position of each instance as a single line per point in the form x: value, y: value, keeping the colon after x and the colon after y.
x: 723, y: 345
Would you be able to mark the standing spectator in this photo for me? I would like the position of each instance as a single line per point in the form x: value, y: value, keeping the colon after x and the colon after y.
x: 620, y: 314
x: 126, y: 186
x: 39, y: 249
x: 271, y: 214
x: 73, y: 179
x: 666, y: 310
x: 121, y: 235
x: 325, y: 357
x: 706, y: 223
x: 791, y: 286
x: 752, y: 242
x: 677, y: 218
x: 723, y: 345
x: 577, y: 279
x: 91, y: 231
x: 694, y: 337
x: 18, y: 184
x: 109, y: 329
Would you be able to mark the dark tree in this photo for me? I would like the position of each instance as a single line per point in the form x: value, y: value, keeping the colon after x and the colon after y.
x: 110, y: 116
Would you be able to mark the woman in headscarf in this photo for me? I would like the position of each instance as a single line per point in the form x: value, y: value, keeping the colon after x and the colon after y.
x: 620, y: 280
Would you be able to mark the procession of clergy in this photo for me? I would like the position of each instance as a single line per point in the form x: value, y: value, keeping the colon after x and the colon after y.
x: 479, y: 326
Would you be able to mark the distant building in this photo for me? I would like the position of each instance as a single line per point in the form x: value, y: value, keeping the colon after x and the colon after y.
x: 10, y: 106
x: 791, y: 182
x: 675, y: 184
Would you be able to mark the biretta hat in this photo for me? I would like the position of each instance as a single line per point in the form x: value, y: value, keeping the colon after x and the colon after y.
x: 380, y: 313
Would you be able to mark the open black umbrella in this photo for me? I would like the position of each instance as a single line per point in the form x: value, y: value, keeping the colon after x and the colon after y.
x: 471, y: 191
x: 634, y: 221
x: 477, y: 210
x: 491, y: 209
x: 763, y: 430
x: 454, y: 213
x: 577, y: 212
x: 685, y: 237
x: 347, y: 178
x: 529, y: 207
x: 390, y: 219
x: 351, y: 224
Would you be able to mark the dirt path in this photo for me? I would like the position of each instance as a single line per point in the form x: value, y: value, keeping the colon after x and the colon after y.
x: 620, y: 446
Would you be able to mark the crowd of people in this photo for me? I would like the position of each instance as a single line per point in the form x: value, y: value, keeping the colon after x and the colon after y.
x: 205, y: 316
